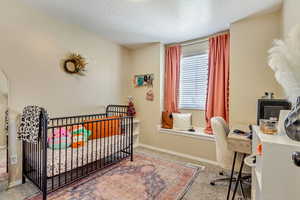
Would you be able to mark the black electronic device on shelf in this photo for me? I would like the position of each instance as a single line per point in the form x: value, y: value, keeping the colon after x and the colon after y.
x: 270, y: 108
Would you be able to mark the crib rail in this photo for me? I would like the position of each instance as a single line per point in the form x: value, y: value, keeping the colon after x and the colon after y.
x: 74, y: 119
x: 119, y: 110
x: 51, y: 168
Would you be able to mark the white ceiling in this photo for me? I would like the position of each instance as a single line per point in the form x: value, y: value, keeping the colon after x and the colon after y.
x: 131, y: 22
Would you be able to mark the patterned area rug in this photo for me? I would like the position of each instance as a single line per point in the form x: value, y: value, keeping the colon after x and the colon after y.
x: 146, y: 178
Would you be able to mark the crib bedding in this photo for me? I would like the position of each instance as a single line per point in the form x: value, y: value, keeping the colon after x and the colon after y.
x: 60, y: 161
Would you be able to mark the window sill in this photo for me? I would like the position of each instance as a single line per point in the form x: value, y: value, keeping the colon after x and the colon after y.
x: 198, y: 134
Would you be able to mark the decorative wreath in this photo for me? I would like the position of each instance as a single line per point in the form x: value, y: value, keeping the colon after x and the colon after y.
x: 75, y: 63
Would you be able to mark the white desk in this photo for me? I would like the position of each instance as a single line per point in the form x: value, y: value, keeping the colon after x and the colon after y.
x: 275, y: 176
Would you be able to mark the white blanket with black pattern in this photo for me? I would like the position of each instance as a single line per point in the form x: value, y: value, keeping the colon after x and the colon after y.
x: 6, y: 122
x: 30, y: 122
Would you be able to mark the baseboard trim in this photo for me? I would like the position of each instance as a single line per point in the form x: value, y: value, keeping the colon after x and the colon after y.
x: 179, y: 154
x: 14, y: 183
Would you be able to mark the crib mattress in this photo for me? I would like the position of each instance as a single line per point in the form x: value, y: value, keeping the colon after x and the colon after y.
x: 60, y: 161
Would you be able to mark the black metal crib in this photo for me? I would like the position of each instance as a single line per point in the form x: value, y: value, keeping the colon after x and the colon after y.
x: 51, y: 169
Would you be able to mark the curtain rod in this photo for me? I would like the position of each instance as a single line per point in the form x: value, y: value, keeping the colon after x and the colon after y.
x: 197, y: 40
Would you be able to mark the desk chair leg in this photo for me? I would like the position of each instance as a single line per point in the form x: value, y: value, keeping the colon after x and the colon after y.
x: 242, y: 190
x: 222, y: 180
x: 239, y: 177
x: 231, y: 176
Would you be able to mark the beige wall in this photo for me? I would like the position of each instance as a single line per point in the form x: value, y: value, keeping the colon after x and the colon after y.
x: 149, y: 59
x: 31, y: 51
x: 250, y: 75
x: 291, y: 15
x: 3, y: 107
x: 3, y: 83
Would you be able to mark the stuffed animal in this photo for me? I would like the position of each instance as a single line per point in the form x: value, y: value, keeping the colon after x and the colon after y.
x: 131, y: 110
x: 80, y: 136
x: 59, y: 139
x: 79, y: 140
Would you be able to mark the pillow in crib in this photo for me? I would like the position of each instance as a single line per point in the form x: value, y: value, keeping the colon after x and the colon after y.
x: 80, y: 136
x: 60, y: 138
x: 105, y: 127
x: 79, y: 140
x: 78, y: 129
x: 182, y: 121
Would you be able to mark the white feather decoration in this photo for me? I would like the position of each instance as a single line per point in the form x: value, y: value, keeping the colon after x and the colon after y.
x: 284, y: 60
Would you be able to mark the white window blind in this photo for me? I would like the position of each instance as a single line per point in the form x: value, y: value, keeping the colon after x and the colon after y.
x: 193, y: 81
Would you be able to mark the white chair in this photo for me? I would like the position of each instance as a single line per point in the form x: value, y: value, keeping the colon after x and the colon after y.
x: 224, y: 154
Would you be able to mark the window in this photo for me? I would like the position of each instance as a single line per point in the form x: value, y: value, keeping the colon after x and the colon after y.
x: 193, y: 80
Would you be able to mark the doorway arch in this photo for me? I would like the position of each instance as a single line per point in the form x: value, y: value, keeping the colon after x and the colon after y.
x: 4, y: 90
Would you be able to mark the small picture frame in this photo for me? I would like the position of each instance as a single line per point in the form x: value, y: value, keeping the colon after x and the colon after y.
x: 143, y: 80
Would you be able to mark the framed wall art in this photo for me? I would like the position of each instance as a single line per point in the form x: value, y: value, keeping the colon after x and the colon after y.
x: 143, y: 80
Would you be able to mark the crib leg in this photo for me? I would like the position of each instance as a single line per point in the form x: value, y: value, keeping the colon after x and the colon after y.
x: 131, y: 154
x: 23, y: 179
x: 44, y: 195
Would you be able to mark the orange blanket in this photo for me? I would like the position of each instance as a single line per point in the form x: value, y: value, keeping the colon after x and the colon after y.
x: 103, y: 128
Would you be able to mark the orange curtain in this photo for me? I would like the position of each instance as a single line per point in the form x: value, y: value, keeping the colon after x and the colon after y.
x: 172, y: 75
x: 218, y: 80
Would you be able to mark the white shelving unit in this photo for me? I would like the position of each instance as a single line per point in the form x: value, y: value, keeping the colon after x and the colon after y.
x: 136, y: 132
x: 275, y: 176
